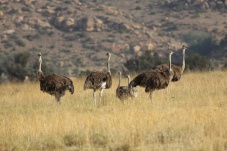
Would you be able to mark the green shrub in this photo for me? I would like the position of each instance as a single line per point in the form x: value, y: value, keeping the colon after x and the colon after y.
x: 16, y: 66
x: 223, y: 42
x: 20, y: 43
x: 144, y: 62
x: 200, y: 42
x: 197, y: 62
x: 32, y: 37
x: 7, y: 44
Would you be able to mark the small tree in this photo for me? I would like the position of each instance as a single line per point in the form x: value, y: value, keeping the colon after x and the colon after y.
x: 16, y: 66
x: 197, y: 62
x: 144, y: 62
x: 200, y: 42
x: 223, y: 42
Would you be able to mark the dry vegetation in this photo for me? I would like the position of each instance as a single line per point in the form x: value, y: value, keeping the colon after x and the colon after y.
x: 191, y: 115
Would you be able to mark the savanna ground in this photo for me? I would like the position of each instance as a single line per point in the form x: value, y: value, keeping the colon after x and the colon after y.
x: 191, y: 115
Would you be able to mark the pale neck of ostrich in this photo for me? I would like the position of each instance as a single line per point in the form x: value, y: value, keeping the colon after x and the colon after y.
x: 183, y: 61
x: 40, y: 73
x: 170, y: 68
x: 108, y: 64
x: 128, y: 80
x: 40, y: 63
x: 119, y: 84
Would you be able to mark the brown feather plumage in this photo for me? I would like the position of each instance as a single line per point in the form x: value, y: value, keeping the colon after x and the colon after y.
x: 176, y: 69
x: 99, y: 80
x: 54, y: 84
x: 151, y: 80
x: 154, y: 79
x: 95, y: 79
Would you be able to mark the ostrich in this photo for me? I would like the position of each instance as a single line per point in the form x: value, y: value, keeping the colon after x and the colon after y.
x: 124, y: 92
x: 154, y: 80
x: 99, y: 80
x: 178, y: 71
x: 54, y: 84
x: 133, y: 90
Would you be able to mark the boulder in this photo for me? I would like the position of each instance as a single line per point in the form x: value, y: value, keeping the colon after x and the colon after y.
x: 109, y: 10
x: 149, y: 46
x: 41, y: 23
x: 119, y: 47
x: 68, y: 23
x: 3, y: 1
x: 89, y: 24
x: 136, y: 49
x: 58, y: 21
x: 126, y: 27
x: 19, y: 19
x: 1, y: 14
x: 9, y: 32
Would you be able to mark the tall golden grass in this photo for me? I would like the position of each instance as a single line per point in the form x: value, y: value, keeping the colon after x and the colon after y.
x: 190, y: 115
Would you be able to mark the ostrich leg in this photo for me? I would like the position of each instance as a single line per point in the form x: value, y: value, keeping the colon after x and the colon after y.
x: 151, y: 95
x: 94, y: 95
x: 100, y: 94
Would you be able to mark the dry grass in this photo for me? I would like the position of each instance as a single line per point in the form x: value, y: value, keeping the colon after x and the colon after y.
x: 191, y: 115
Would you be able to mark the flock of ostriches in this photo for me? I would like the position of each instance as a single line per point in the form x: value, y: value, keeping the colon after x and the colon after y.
x: 156, y: 78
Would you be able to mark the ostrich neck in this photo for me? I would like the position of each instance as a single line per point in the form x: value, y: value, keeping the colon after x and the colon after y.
x: 128, y: 81
x: 170, y: 69
x: 108, y: 65
x: 40, y: 63
x: 183, y: 61
x: 119, y: 84
x: 40, y: 73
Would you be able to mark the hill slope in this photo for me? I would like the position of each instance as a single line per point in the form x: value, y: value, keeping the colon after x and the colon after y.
x: 75, y: 35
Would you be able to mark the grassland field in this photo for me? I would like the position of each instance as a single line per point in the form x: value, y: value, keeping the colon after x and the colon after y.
x: 190, y: 115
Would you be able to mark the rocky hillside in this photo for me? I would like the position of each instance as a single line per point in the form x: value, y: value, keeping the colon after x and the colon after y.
x: 74, y: 35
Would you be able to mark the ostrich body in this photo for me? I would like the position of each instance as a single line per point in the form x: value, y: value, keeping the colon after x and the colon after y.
x: 54, y: 84
x: 132, y: 90
x: 178, y: 71
x: 99, y: 80
x: 124, y: 92
x: 154, y: 80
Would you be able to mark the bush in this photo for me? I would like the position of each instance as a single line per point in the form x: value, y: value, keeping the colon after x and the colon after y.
x: 22, y: 58
x: 20, y: 43
x: 16, y: 66
x: 224, y: 67
x: 144, y: 62
x: 200, y: 42
x: 197, y: 62
x: 223, y: 42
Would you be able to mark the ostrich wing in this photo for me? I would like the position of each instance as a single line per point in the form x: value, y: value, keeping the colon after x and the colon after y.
x: 164, y: 67
x: 151, y: 80
x: 95, y: 80
x: 54, y: 82
x: 122, y: 92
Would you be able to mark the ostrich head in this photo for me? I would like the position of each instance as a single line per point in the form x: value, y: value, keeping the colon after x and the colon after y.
x: 108, y: 54
x: 119, y: 72
x: 184, y: 47
x: 171, y: 52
